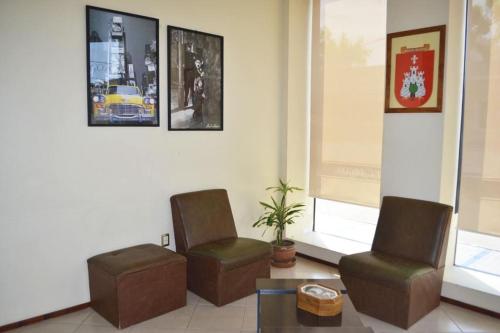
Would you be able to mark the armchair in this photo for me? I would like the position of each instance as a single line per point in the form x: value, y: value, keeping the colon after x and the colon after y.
x: 221, y: 267
x: 399, y: 281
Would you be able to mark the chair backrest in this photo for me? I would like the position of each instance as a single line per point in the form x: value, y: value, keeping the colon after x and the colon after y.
x: 201, y: 217
x: 413, y: 229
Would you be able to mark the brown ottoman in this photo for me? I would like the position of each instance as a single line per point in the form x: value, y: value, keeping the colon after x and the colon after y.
x: 131, y: 285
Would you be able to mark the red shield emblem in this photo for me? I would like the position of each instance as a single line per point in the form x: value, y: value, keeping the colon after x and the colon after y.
x: 414, y: 76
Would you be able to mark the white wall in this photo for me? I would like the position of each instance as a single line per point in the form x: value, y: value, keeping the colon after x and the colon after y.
x: 413, y: 143
x: 68, y: 191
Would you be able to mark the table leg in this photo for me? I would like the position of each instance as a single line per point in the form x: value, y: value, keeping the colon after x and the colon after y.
x: 258, y: 311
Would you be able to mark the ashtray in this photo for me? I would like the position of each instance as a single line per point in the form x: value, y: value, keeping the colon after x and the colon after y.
x: 319, y: 299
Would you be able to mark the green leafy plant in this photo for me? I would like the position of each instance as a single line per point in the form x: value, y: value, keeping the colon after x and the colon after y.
x: 278, y: 214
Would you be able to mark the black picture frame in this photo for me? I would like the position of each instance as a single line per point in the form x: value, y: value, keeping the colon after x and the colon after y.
x: 123, y: 75
x: 208, y: 49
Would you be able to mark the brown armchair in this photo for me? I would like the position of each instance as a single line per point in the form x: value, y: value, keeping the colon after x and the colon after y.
x: 221, y: 267
x: 399, y: 281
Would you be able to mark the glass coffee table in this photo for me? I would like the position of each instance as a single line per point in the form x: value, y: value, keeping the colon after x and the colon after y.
x: 277, y: 309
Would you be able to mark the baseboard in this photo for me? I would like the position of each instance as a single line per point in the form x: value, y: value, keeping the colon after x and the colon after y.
x: 50, y: 315
x: 443, y: 298
x: 471, y: 307
x: 321, y: 261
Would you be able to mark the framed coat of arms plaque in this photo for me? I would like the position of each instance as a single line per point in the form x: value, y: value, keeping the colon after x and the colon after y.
x: 415, y: 69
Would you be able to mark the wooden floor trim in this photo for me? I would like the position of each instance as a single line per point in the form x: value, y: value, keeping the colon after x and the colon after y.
x: 443, y: 298
x: 50, y: 315
x: 471, y: 307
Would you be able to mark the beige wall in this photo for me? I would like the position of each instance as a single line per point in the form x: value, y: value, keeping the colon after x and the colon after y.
x: 69, y: 191
x: 296, y: 136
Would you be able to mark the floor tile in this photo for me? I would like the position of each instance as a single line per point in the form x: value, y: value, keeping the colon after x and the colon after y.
x: 211, y: 331
x: 95, y: 319
x: 99, y: 329
x: 251, y: 301
x: 436, y: 321
x: 220, y: 318
x: 154, y: 330
x: 77, y: 317
x: 184, y: 311
x: 192, y: 298
x: 177, y: 319
x: 165, y: 322
x: 45, y: 327
x: 470, y: 321
x: 378, y: 325
x: 250, y: 319
x: 239, y: 302
x: 302, y: 275
x: 304, y: 269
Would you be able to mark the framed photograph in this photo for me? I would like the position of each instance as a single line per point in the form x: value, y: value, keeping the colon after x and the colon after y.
x: 415, y: 69
x: 195, y: 80
x: 122, y: 69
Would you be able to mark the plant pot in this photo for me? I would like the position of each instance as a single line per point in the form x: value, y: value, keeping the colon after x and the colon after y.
x: 283, y: 255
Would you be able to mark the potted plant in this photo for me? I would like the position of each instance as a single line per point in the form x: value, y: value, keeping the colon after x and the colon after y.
x: 277, y: 215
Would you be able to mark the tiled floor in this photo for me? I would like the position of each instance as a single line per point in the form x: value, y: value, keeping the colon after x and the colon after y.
x: 240, y: 316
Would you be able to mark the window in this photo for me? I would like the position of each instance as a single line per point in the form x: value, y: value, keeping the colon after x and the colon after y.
x: 354, y: 223
x: 478, y: 241
x: 347, y: 103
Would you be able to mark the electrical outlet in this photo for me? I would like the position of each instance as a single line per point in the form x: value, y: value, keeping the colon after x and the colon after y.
x: 165, y: 240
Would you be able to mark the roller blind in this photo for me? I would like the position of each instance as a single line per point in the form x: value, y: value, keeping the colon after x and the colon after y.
x: 479, y: 208
x: 347, y: 99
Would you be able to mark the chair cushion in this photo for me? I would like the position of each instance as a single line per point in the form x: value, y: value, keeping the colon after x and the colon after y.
x: 233, y: 252
x: 383, y: 269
